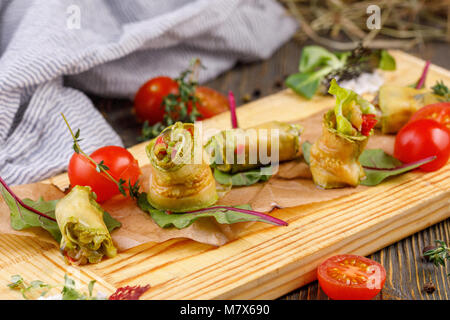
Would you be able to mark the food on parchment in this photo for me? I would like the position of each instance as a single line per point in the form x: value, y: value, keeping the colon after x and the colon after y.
x: 319, y: 66
x: 180, y: 181
x: 345, y: 130
x: 246, y: 142
x: 85, y: 237
x: 397, y: 104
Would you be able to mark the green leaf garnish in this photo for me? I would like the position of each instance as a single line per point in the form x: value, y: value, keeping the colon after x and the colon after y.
x: 344, y: 99
x: 442, y: 90
x: 246, y: 178
x: 222, y: 214
x: 318, y: 66
x: 22, y: 218
x: 37, y: 288
x: 69, y: 292
x: 378, y: 166
x: 387, y: 62
x: 307, y: 83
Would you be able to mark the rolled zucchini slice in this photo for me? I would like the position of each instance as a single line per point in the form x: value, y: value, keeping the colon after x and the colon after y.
x: 334, y: 156
x: 397, y: 104
x: 85, y: 237
x: 179, y: 181
x: 248, y: 141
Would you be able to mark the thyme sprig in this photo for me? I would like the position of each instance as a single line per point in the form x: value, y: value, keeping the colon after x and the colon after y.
x: 439, y: 255
x: 176, y: 106
x: 442, y: 90
x: 100, y: 167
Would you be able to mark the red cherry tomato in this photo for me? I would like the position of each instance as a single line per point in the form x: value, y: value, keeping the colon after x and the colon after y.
x: 121, y: 164
x: 149, y: 98
x: 437, y: 111
x: 421, y: 139
x: 211, y: 102
x: 351, y: 277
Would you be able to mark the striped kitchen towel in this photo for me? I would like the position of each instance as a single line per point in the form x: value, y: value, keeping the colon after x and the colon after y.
x: 51, y: 51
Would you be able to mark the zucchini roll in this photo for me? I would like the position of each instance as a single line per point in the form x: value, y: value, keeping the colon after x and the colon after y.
x: 345, y: 130
x: 85, y: 237
x: 180, y: 181
x: 397, y: 104
x: 242, y: 142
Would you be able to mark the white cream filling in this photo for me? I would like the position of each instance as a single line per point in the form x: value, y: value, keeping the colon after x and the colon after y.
x: 365, y: 83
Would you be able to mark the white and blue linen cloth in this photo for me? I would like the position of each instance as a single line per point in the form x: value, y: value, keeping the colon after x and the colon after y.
x: 54, y: 50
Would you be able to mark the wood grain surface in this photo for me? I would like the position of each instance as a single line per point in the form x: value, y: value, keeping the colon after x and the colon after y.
x: 407, y: 270
x: 271, y: 262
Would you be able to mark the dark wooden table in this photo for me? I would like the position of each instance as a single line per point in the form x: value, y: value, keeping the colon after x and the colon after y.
x: 406, y: 269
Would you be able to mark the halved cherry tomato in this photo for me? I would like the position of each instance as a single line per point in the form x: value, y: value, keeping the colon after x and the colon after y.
x: 121, y: 164
x: 423, y: 138
x: 351, y: 277
x: 437, y: 111
x: 149, y: 98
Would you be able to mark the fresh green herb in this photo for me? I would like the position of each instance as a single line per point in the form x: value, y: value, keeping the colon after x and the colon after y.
x: 442, y: 90
x: 69, y: 291
x: 32, y: 290
x: 101, y: 167
x: 439, y: 255
x: 22, y: 218
x: 222, y: 214
x: 387, y: 62
x: 148, y: 132
x: 246, y: 178
x: 319, y: 66
x: 315, y: 63
x: 23, y: 215
x: 38, y: 288
x: 377, y: 164
x: 176, y: 106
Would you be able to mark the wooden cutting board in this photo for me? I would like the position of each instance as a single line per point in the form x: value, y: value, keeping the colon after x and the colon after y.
x: 267, y: 263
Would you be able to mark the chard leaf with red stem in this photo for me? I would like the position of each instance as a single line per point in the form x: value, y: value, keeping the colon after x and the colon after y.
x: 27, y: 213
x: 423, y: 77
x: 232, y: 103
x: 222, y: 214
